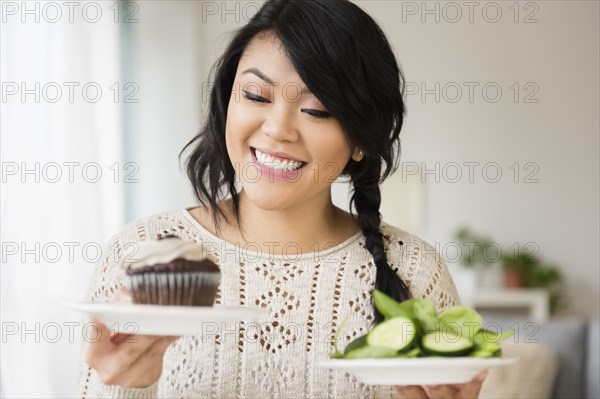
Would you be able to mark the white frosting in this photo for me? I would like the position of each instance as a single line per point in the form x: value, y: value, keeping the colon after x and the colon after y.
x: 152, y: 252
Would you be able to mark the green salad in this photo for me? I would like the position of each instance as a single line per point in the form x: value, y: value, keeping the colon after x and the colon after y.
x: 414, y: 328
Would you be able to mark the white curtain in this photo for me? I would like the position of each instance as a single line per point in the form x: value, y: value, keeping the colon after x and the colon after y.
x: 56, y: 209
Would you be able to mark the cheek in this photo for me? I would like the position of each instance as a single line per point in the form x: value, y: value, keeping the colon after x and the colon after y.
x: 238, y: 127
x: 242, y: 121
x: 331, y: 154
x: 229, y: 128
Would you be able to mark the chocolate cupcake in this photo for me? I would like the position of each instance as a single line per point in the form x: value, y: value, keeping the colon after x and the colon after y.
x: 172, y: 271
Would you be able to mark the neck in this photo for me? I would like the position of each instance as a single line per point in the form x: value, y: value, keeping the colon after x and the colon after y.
x: 309, y: 227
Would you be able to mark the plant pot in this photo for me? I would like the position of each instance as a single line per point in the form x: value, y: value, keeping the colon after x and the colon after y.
x: 513, y: 278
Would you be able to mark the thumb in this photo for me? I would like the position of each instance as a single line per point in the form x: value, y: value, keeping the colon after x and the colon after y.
x: 122, y: 295
x: 471, y: 389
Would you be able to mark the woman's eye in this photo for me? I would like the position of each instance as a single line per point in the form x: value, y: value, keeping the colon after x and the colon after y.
x: 254, y: 97
x: 317, y: 113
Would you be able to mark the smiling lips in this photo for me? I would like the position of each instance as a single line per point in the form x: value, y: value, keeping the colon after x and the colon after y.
x: 276, y: 168
x: 276, y: 163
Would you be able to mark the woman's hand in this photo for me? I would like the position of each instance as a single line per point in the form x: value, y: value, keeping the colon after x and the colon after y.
x: 128, y: 360
x: 469, y: 390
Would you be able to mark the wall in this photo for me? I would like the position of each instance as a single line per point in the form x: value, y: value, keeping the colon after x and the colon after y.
x: 160, y: 52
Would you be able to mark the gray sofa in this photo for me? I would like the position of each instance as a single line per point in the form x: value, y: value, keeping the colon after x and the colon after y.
x: 577, y: 345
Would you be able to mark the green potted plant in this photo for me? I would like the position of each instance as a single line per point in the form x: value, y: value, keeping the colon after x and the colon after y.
x: 524, y: 270
x: 479, y: 257
x: 474, y: 249
x: 517, y: 268
x: 520, y: 269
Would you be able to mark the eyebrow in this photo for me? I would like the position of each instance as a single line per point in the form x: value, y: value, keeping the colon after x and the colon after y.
x: 258, y: 73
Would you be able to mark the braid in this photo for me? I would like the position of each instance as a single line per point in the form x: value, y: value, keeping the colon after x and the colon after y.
x: 367, y: 201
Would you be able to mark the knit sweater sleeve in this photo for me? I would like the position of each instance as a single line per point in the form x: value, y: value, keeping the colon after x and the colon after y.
x: 106, y: 279
x: 421, y: 267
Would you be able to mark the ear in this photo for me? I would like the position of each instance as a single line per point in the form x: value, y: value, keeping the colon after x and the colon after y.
x: 357, y: 155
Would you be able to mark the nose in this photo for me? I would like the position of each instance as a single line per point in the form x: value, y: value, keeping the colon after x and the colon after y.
x: 280, y: 124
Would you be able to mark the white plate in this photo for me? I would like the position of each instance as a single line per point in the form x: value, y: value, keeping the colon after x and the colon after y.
x: 168, y: 320
x: 415, y: 371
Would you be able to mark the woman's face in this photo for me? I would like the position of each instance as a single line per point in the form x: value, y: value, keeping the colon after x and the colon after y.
x: 272, y: 112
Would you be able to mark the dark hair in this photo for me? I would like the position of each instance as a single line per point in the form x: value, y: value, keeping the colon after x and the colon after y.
x: 344, y: 58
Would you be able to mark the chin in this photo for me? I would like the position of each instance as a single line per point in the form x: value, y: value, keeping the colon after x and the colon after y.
x: 265, y: 199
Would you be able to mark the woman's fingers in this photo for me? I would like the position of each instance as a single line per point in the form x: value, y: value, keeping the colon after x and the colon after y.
x: 471, y: 390
x: 114, y: 356
x: 120, y: 358
x: 411, y: 392
x: 148, y: 367
x: 100, y: 341
x: 441, y: 391
x: 101, y: 354
x: 115, y: 367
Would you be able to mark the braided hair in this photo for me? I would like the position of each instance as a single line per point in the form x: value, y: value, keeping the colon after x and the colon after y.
x: 345, y: 59
x: 367, y: 200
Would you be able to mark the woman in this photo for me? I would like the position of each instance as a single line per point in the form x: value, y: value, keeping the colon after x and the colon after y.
x: 308, y: 91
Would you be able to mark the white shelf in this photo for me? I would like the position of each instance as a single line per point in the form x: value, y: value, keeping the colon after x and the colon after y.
x: 535, y: 302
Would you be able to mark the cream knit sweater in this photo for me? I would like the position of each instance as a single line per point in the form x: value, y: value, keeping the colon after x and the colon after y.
x: 307, y: 295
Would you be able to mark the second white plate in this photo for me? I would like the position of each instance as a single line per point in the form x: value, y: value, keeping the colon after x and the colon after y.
x: 417, y: 371
x: 168, y: 320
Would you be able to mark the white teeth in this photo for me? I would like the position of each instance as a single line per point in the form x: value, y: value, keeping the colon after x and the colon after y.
x: 276, y: 163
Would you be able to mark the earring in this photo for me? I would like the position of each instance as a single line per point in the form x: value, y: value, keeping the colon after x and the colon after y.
x: 361, y: 155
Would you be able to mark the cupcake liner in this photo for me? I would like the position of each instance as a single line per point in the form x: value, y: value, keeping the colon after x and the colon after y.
x: 181, y: 288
